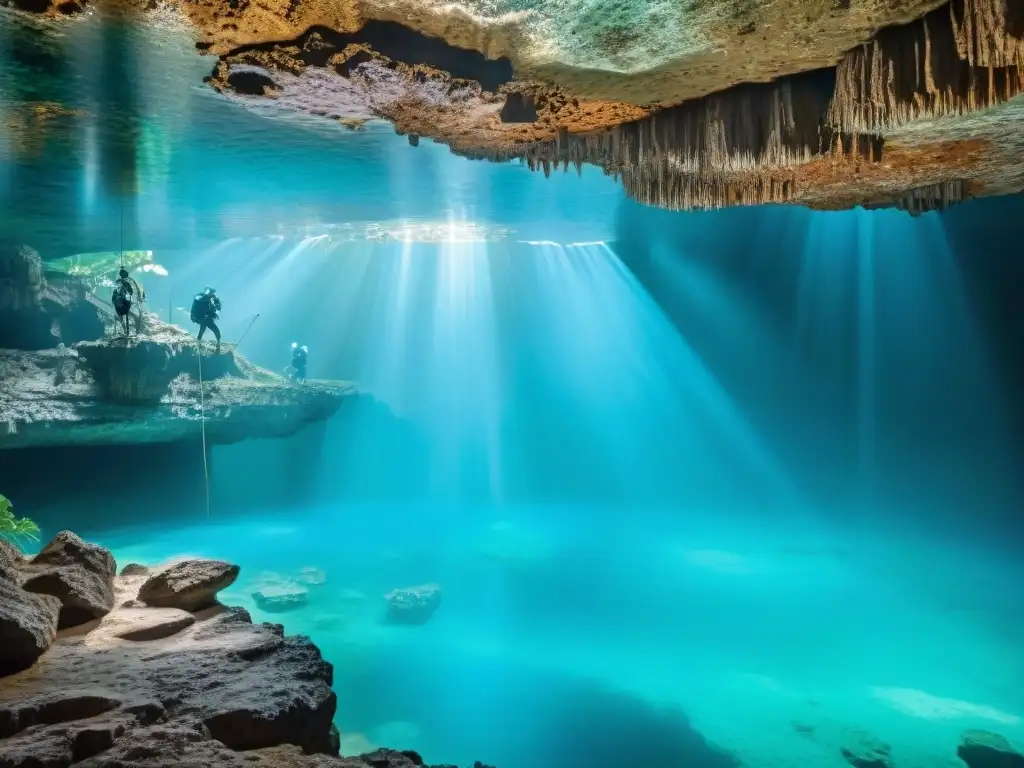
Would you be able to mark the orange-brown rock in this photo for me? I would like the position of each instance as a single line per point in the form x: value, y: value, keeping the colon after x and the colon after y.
x: 826, y: 104
x: 702, y: 103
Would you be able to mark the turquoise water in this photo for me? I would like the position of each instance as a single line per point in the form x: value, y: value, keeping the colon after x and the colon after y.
x: 607, y: 643
x: 698, y: 490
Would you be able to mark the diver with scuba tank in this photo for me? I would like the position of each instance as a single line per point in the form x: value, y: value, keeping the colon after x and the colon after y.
x: 122, y: 298
x: 205, y: 311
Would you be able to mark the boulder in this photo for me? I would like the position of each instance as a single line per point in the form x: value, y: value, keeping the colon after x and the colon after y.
x: 981, y: 749
x: 249, y: 686
x: 79, y: 574
x: 28, y: 624
x: 190, y: 585
x: 412, y: 605
x: 134, y: 569
x: 162, y: 688
x: 10, y: 555
x: 140, y: 623
x: 866, y: 751
x: 277, y: 597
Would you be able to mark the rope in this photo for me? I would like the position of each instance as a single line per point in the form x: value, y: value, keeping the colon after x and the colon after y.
x: 254, y: 319
x: 202, y: 416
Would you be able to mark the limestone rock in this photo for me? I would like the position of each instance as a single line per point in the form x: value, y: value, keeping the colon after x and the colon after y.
x: 161, y: 688
x: 249, y: 686
x: 981, y: 749
x: 28, y: 624
x: 189, y: 585
x: 652, y: 95
x: 121, y: 392
x: 134, y: 569
x: 79, y: 574
x: 141, y: 623
x: 413, y: 605
x: 280, y: 596
x: 866, y: 751
x: 10, y: 555
x: 23, y: 320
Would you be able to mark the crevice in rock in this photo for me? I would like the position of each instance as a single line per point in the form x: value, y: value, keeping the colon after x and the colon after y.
x: 68, y: 708
x: 32, y: 6
x: 519, y: 108
x: 398, y: 43
x: 251, y: 83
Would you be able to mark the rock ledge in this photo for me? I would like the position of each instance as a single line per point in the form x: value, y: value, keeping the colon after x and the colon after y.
x: 146, y: 390
x: 160, y: 687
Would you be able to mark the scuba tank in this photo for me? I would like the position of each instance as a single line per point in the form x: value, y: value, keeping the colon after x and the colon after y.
x: 197, y: 308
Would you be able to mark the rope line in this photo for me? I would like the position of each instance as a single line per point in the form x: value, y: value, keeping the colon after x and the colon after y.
x: 202, y: 416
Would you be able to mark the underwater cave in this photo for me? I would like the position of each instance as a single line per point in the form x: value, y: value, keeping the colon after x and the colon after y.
x: 322, y: 444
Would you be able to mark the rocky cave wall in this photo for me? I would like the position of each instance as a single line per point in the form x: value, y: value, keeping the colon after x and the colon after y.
x: 904, y: 103
x: 887, y: 126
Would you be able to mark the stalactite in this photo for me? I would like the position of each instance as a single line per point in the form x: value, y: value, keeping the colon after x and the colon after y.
x: 745, y: 128
x: 925, y: 69
x: 685, y: 191
x: 933, y: 197
x: 989, y: 33
x: 734, y: 147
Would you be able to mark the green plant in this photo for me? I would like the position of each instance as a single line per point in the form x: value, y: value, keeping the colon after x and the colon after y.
x: 15, y: 528
x: 98, y: 265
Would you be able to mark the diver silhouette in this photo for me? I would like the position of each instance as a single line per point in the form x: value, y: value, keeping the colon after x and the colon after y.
x: 299, y: 355
x: 205, y: 311
x: 124, y: 293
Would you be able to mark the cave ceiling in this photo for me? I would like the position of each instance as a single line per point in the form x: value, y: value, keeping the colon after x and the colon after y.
x: 913, y: 104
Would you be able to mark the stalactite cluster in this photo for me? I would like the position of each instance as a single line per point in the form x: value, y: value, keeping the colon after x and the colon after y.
x: 743, y: 129
x: 734, y: 147
x: 989, y: 33
x: 951, y: 61
x: 685, y: 191
x: 933, y: 197
x: 710, y: 152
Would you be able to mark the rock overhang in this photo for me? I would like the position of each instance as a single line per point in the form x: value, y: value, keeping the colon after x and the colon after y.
x: 55, y: 397
x: 919, y: 112
x: 907, y: 104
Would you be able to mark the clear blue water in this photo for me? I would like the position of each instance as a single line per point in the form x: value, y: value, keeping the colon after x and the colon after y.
x: 697, y: 488
x: 557, y: 640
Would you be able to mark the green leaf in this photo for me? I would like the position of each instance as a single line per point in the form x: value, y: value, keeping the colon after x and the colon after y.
x: 93, y: 265
x: 14, y: 528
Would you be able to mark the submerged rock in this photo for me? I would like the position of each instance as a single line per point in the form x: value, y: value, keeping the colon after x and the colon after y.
x: 134, y: 569
x: 314, y: 577
x: 28, y: 624
x: 280, y: 596
x: 866, y: 751
x: 981, y: 749
x: 413, y: 605
x: 189, y: 585
x: 79, y: 574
